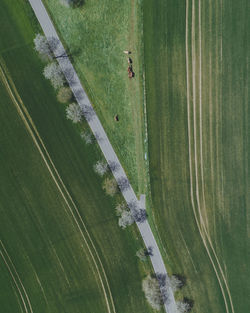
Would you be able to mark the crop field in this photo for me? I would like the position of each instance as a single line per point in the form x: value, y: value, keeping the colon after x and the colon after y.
x: 197, y: 84
x: 96, y: 36
x: 60, y: 244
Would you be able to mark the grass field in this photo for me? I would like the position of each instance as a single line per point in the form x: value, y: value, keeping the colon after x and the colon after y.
x: 48, y: 192
x: 96, y: 36
x: 196, y: 57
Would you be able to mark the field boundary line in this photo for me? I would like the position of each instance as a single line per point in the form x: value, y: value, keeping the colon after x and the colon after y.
x: 52, y: 175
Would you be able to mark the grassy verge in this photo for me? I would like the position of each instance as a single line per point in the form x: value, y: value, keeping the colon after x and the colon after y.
x: 96, y: 35
x: 37, y: 229
x: 211, y: 133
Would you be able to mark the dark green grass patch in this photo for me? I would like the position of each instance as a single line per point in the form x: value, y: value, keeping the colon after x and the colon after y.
x: 225, y: 145
x: 36, y: 227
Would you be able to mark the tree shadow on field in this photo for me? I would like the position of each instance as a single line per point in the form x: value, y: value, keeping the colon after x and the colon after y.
x: 74, y: 53
x: 78, y: 3
x: 182, y: 279
x: 190, y: 302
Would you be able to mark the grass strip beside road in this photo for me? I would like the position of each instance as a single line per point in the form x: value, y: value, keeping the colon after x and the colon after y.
x: 96, y: 35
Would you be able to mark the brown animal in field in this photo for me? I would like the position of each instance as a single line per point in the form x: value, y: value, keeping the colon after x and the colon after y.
x: 130, y: 72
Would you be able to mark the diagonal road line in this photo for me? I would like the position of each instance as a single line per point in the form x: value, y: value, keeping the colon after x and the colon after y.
x: 103, y: 141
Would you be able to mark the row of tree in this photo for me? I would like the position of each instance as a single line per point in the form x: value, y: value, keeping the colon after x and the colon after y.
x: 128, y: 214
x: 156, y: 286
x: 156, y: 289
x: 46, y: 47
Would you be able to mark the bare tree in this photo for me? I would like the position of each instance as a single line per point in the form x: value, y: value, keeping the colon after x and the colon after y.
x: 74, y: 113
x: 87, y: 137
x: 110, y: 186
x: 64, y: 94
x: 125, y: 216
x: 183, y: 307
x: 125, y: 219
x: 119, y: 208
x: 101, y: 168
x: 151, y: 288
x: 45, y: 47
x: 123, y: 183
x: 141, y: 254
x: 175, y: 282
x: 42, y: 46
x: 53, y: 72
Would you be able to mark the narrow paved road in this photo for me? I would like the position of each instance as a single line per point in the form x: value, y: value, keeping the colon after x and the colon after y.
x: 104, y: 143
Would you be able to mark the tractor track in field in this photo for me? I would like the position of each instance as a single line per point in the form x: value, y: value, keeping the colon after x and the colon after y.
x: 201, y: 160
x: 200, y: 120
x: 200, y: 222
x: 16, y: 279
x: 31, y: 128
x: 190, y: 151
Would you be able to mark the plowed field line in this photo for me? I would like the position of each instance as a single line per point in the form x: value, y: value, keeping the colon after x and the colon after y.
x: 189, y: 141
x: 200, y: 121
x: 201, y: 161
x: 18, y: 282
x: 20, y: 108
x: 65, y: 189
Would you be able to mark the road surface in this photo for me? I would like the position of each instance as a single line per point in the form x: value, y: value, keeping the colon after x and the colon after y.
x: 104, y: 143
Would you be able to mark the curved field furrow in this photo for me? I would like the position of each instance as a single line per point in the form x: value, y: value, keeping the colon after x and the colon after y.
x: 62, y: 184
x: 190, y: 154
x: 59, y: 184
x: 200, y: 222
x: 16, y: 279
x: 201, y: 162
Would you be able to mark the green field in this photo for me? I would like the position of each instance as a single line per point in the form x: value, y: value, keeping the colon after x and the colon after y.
x: 196, y: 58
x: 96, y: 36
x: 48, y: 192
x: 196, y: 63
